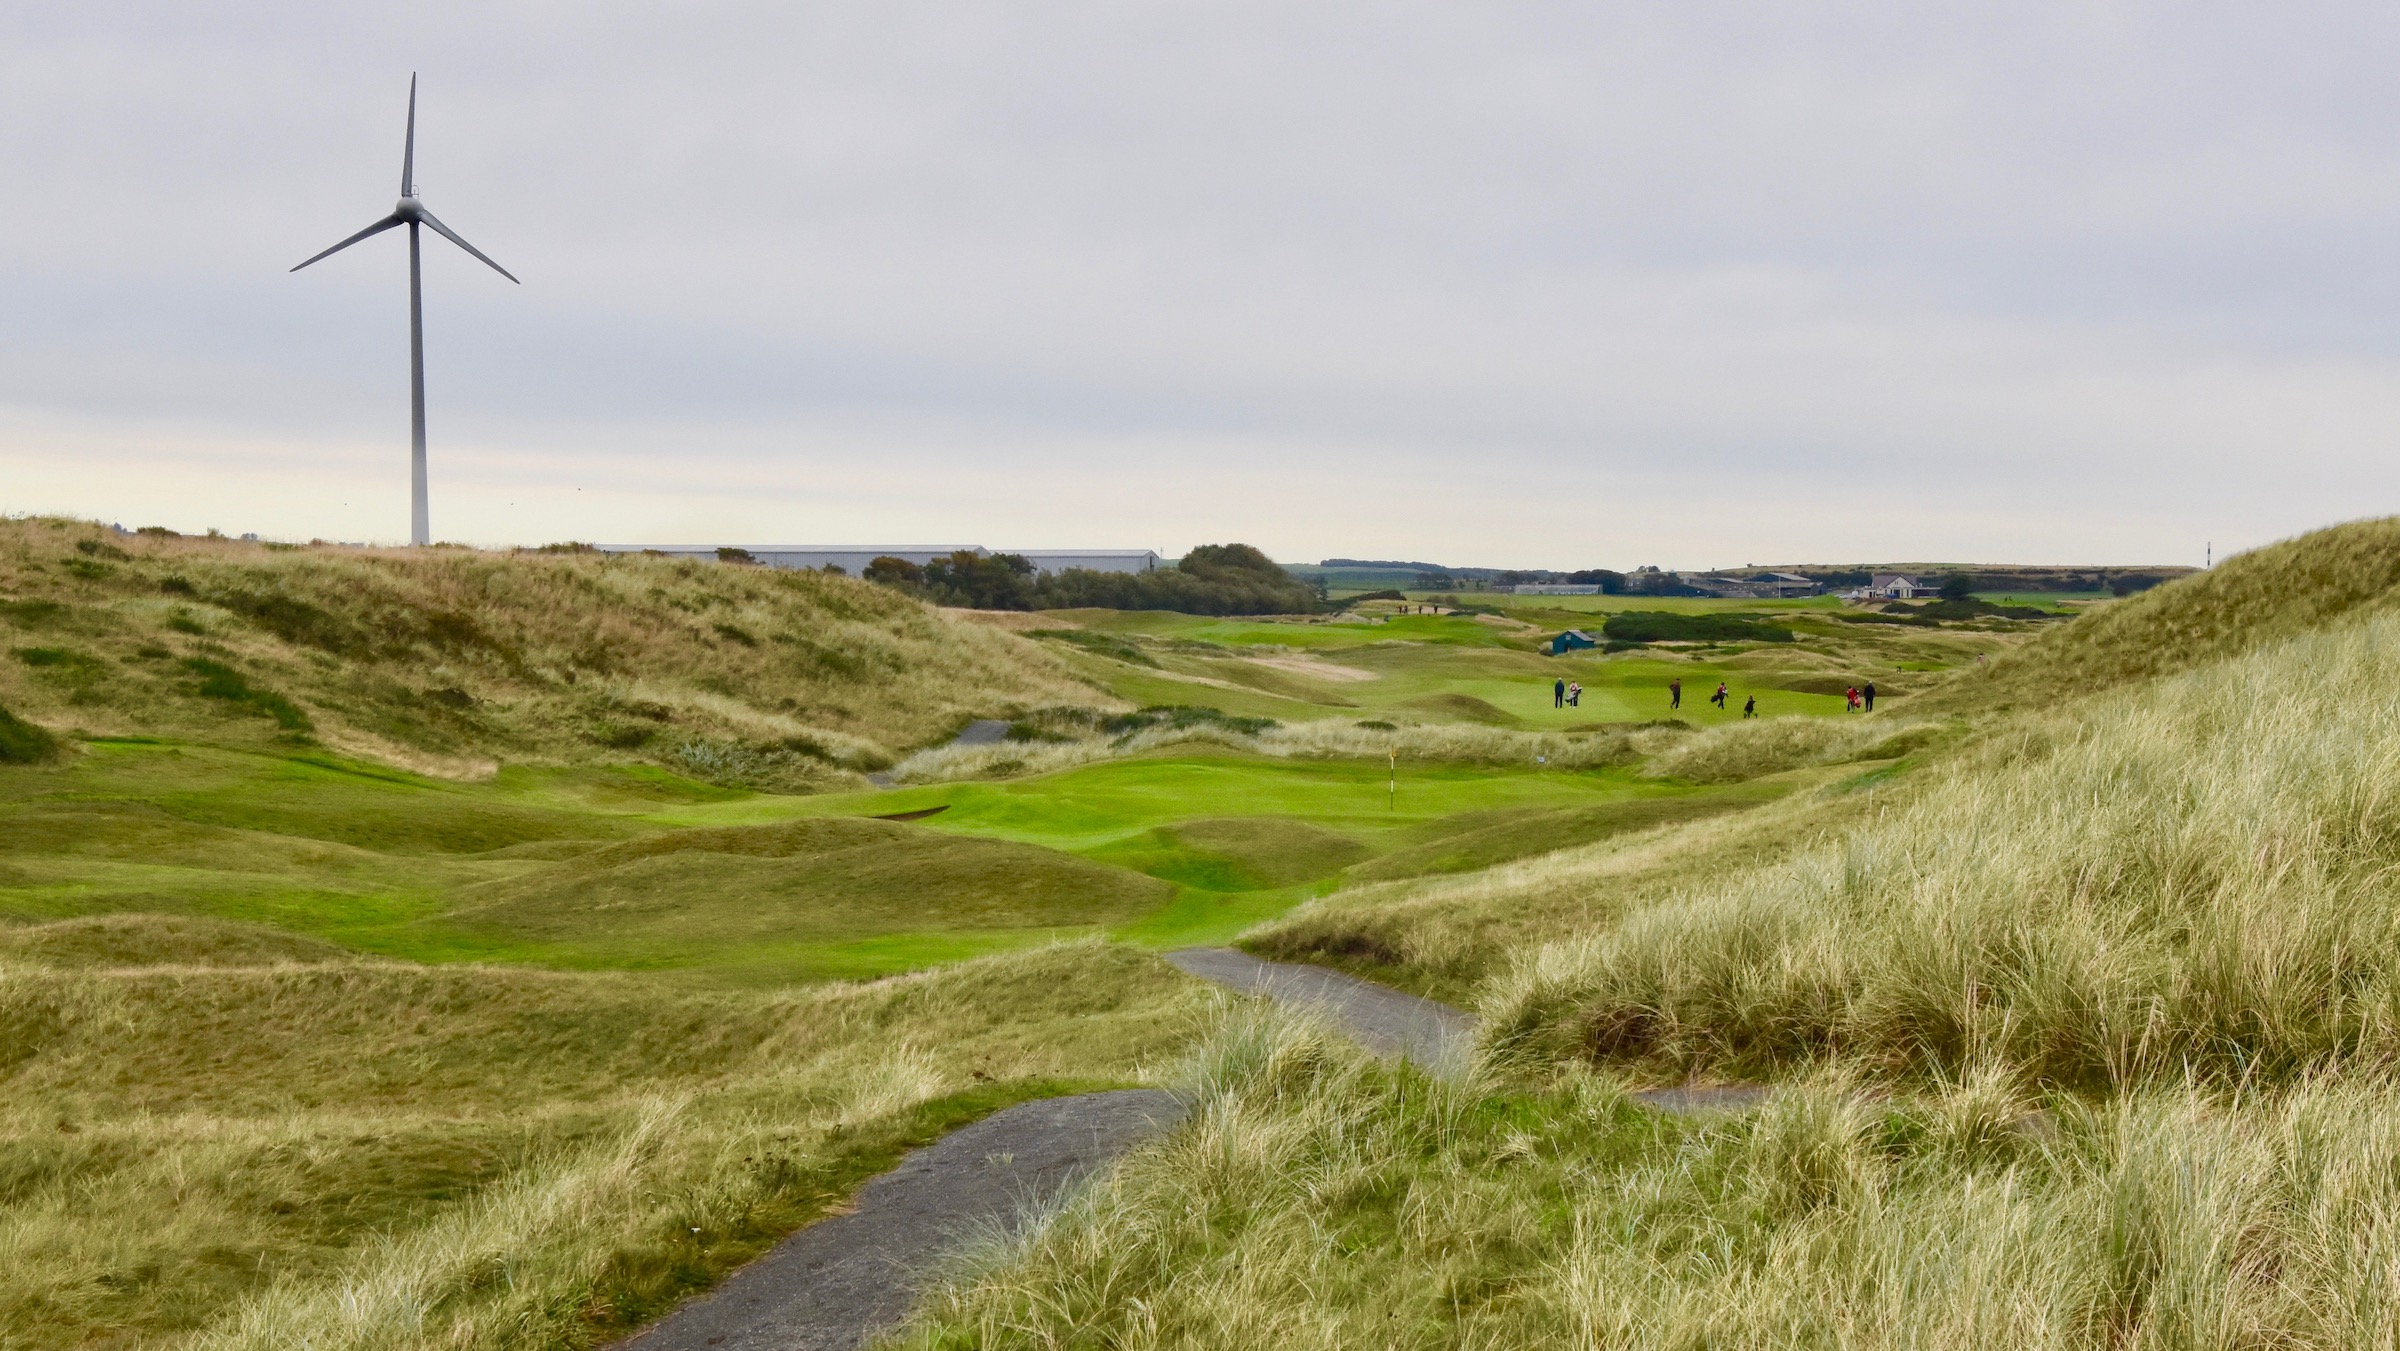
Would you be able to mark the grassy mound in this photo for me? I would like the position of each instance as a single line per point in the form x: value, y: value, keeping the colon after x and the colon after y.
x: 1237, y: 853
x: 1752, y: 748
x: 685, y: 895
x: 447, y: 659
x: 1481, y: 840
x: 22, y: 743
x: 2247, y: 602
x: 2188, y: 879
x: 344, y: 1154
x: 160, y: 940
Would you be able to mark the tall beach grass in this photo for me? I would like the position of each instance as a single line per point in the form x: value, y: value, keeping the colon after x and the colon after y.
x: 1318, y: 1200
x: 2196, y: 876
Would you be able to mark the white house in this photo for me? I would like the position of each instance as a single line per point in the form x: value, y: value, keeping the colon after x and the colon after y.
x: 853, y: 558
x: 1900, y: 586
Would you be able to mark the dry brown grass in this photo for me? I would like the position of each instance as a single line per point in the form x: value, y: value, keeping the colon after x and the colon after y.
x: 2248, y: 601
x: 446, y: 659
x: 266, y: 1146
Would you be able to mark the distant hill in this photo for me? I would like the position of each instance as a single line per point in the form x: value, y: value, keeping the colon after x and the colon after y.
x: 448, y: 659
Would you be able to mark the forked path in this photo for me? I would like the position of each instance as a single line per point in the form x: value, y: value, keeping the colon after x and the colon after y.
x: 1435, y: 1036
x: 1378, y: 1017
x: 841, y: 1281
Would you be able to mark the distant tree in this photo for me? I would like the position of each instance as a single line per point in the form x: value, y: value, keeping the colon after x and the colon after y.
x: 1958, y: 586
x: 729, y: 554
x: 889, y: 571
x: 1434, y: 580
x: 1212, y: 579
x: 981, y: 581
x: 1228, y: 560
x: 1610, y: 583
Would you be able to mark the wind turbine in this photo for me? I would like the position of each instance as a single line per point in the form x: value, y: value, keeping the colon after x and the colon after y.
x: 412, y: 213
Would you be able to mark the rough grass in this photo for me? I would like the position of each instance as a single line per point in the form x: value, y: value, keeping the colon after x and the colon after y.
x: 2248, y: 601
x: 450, y: 659
x: 1320, y: 1201
x: 694, y: 895
x: 1756, y: 747
x: 2191, y: 878
x: 22, y: 742
x: 301, y: 1152
x: 1445, y: 933
x: 1439, y: 743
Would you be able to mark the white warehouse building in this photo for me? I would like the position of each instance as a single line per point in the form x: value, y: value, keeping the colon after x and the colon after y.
x: 853, y: 558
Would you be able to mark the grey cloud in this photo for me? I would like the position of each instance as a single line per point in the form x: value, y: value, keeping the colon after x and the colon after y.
x: 1732, y: 273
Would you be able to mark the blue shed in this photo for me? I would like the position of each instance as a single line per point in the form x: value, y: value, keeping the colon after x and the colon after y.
x: 1570, y: 640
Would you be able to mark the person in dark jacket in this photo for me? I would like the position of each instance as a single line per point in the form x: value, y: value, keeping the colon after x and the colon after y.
x: 1675, y: 693
x: 1558, y: 693
x: 1750, y: 707
x: 1869, y: 695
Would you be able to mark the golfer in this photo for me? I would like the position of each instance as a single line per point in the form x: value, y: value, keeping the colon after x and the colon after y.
x: 1868, y: 694
x: 1675, y: 693
x: 1750, y: 707
x: 1558, y: 693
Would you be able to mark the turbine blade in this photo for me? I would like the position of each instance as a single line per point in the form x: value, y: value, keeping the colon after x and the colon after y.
x: 377, y: 228
x: 452, y: 235
x: 408, y: 154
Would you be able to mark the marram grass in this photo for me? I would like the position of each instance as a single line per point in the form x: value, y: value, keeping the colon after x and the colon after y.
x: 1318, y: 1200
x: 2193, y: 877
x: 283, y: 1148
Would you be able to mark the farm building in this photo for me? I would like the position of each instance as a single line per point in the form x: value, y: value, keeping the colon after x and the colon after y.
x: 853, y: 558
x: 1090, y: 560
x: 1553, y: 589
x: 1785, y: 584
x: 1571, y: 640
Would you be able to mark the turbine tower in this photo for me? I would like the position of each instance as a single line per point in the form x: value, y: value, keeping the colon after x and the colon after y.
x: 412, y: 213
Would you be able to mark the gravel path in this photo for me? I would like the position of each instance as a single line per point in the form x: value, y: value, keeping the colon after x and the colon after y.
x: 1388, y: 1022
x: 839, y: 1282
x: 981, y: 732
x: 1380, y: 1018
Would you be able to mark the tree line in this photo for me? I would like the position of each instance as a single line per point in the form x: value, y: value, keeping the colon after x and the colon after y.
x: 1212, y: 579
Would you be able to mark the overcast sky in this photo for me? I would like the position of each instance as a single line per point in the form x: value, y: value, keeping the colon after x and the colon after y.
x: 1558, y: 285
